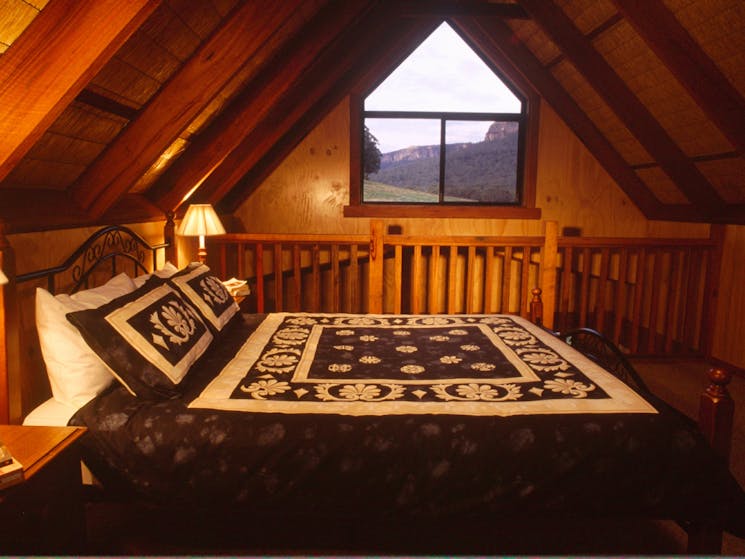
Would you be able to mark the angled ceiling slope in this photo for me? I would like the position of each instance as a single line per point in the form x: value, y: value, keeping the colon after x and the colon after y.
x: 202, y: 99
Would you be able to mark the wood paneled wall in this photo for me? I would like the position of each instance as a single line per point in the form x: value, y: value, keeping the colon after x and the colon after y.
x: 307, y: 193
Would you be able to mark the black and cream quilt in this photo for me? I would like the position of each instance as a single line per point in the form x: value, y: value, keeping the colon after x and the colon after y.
x: 341, y: 446
x: 408, y: 364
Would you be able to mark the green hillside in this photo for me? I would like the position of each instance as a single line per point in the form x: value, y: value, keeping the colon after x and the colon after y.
x: 475, y: 172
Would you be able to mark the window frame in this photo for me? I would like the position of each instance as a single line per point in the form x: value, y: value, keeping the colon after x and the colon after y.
x: 443, y: 117
x: 527, y: 158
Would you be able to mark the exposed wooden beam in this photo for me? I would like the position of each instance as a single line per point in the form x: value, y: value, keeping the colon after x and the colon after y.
x: 629, y: 109
x: 181, y: 99
x: 101, y: 102
x: 320, y: 88
x: 690, y: 65
x: 52, y: 61
x: 448, y: 8
x: 495, y: 37
x: 248, y: 109
x: 26, y: 210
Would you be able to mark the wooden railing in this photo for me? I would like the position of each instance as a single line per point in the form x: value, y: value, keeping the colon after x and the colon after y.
x: 651, y: 296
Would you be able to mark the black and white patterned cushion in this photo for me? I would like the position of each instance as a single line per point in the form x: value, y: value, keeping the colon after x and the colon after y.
x: 207, y: 294
x: 149, y: 339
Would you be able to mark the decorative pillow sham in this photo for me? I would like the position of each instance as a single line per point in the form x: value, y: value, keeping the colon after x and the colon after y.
x: 149, y: 339
x: 76, y: 374
x: 207, y: 293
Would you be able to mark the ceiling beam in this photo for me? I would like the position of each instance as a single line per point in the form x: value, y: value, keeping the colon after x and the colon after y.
x: 179, y: 101
x: 448, y: 8
x: 52, y: 61
x: 690, y: 65
x: 581, y: 52
x: 244, y: 114
x: 495, y: 37
x: 332, y: 74
x: 28, y: 209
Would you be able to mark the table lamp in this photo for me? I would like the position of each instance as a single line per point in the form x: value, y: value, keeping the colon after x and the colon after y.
x: 200, y: 220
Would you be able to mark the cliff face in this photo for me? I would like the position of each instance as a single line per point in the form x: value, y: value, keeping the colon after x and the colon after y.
x: 498, y: 132
x: 413, y: 153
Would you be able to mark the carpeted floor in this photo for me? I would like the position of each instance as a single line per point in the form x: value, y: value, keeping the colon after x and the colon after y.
x: 118, y: 529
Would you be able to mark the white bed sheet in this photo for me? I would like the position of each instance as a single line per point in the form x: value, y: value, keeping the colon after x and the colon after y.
x: 51, y: 413
x: 56, y: 414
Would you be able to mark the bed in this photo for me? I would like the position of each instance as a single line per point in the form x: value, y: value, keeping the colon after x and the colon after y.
x: 364, y: 417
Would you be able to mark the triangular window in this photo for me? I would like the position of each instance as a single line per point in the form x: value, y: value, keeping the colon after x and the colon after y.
x: 443, y: 128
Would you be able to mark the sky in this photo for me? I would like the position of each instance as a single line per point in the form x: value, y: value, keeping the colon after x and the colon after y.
x: 442, y: 74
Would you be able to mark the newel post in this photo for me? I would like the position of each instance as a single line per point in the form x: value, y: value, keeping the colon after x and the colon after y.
x: 549, y: 260
x: 716, y: 412
x: 375, y: 290
x: 536, y: 307
x: 169, y: 236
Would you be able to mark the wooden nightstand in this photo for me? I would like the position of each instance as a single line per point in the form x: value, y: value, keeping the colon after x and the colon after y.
x: 45, y: 513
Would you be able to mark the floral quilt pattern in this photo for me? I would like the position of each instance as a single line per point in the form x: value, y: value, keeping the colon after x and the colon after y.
x: 396, y: 364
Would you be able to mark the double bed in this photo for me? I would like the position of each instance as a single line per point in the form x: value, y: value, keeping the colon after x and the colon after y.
x: 367, y: 418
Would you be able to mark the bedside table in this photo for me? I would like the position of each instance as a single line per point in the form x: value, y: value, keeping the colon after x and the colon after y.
x: 44, y: 514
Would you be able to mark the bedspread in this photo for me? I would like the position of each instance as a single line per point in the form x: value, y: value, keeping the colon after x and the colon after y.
x: 393, y: 465
x: 413, y: 364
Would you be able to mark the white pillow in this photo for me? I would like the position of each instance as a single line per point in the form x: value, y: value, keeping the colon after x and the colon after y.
x: 76, y: 374
x: 166, y: 271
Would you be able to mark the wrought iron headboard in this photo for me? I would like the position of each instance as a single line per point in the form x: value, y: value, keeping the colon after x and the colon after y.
x: 116, y: 246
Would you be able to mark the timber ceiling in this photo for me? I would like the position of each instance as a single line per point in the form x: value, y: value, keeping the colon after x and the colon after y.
x: 116, y: 110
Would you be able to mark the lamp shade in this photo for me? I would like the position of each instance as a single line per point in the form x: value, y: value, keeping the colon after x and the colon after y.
x: 3, y: 278
x: 202, y: 220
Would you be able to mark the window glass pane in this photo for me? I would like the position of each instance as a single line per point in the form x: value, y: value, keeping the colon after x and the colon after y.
x: 481, y: 162
x: 408, y: 166
x: 443, y: 75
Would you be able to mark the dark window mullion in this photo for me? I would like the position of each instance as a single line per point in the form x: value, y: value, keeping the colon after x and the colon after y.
x: 442, y: 161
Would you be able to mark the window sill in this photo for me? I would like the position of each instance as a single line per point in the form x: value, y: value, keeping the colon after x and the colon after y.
x: 478, y: 212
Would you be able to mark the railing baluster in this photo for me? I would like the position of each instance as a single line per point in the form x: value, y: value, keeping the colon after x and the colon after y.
x: 433, y: 306
x: 416, y: 280
x: 602, y: 289
x: 524, y: 308
x: 470, y: 278
x: 452, y: 279
x: 620, y: 295
x: 654, y: 302
x: 259, y: 266
x: 315, y: 288
x: 335, y: 279
x: 585, y: 289
x: 490, y: 279
x: 506, y: 280
x: 278, y: 279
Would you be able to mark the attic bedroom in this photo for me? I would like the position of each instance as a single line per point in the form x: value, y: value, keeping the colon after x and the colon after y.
x: 625, y: 210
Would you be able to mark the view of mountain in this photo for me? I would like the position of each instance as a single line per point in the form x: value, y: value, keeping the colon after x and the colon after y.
x: 478, y: 172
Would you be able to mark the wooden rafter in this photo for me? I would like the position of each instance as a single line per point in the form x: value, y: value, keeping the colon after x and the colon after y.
x: 690, y: 65
x: 446, y: 8
x: 629, y: 109
x: 181, y: 99
x: 494, y: 36
x: 243, y: 115
x: 52, y: 61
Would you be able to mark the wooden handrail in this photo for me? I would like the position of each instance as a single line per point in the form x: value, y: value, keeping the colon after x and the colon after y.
x: 608, y: 283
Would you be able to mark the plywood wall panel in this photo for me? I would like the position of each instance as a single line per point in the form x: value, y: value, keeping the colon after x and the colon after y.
x: 308, y: 192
